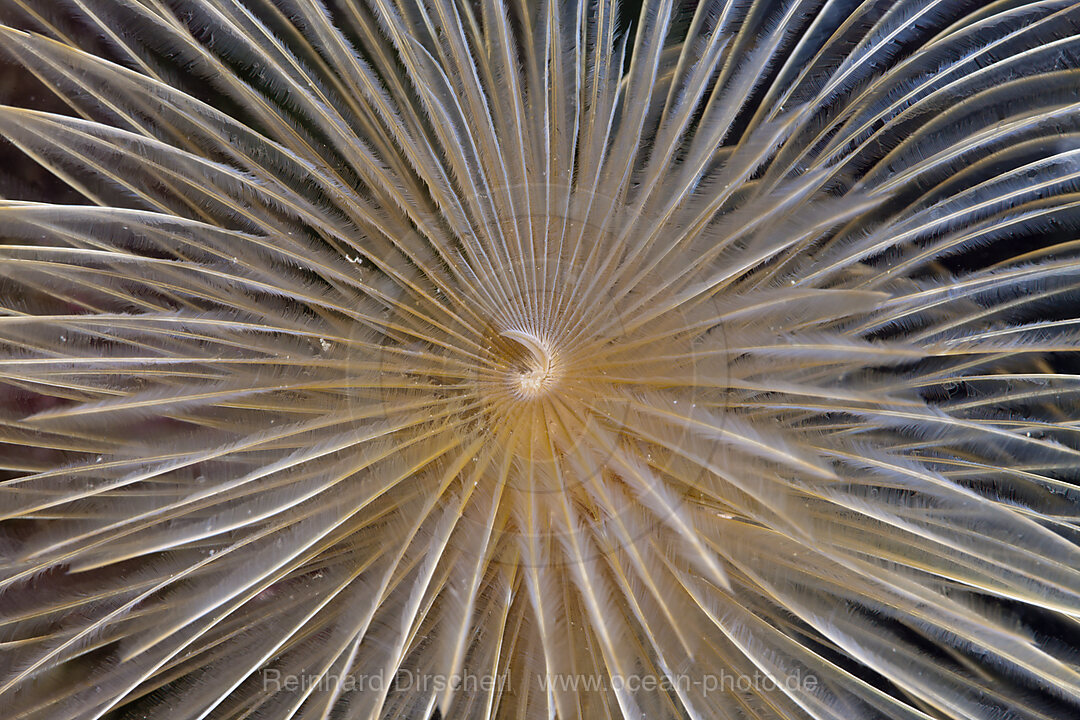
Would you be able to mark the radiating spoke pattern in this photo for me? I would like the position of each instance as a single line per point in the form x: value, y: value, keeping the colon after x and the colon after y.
x: 514, y: 359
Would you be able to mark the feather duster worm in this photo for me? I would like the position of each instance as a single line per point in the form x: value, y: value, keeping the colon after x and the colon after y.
x: 521, y: 360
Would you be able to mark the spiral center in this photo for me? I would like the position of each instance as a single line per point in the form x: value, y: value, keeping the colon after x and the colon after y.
x: 540, y: 370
